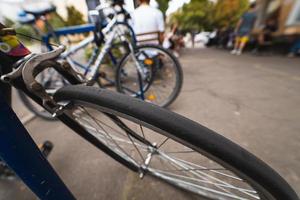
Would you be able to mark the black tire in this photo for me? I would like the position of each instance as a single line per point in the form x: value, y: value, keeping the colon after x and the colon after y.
x: 176, y: 67
x: 213, y: 146
x: 35, y: 108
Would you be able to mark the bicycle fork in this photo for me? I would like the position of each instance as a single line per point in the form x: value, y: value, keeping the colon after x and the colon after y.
x: 140, y: 72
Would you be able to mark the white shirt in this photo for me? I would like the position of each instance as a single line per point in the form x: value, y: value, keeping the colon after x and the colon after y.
x: 147, y: 19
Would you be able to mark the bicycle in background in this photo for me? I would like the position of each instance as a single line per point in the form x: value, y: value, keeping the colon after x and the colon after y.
x: 149, y: 72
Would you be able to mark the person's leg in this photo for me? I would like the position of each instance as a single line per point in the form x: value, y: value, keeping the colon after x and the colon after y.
x: 261, y: 38
x: 294, y: 50
x: 296, y: 47
x: 243, y: 43
x: 260, y: 41
x: 236, y: 45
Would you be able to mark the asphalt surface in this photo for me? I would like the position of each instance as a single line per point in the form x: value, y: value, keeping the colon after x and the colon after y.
x: 251, y: 100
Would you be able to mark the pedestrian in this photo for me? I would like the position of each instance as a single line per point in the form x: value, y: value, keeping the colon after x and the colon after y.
x: 267, y: 33
x: 295, y: 49
x: 174, y: 39
x: 92, y: 4
x: 244, y: 29
x: 265, y: 37
x: 148, y: 20
x: 122, y: 14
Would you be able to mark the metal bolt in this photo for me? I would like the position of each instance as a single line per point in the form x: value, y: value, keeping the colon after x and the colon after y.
x: 66, y: 66
x: 36, y: 86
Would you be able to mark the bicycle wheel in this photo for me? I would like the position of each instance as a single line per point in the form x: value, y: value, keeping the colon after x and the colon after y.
x: 34, y: 107
x: 159, y: 76
x: 119, y: 48
x: 156, y: 142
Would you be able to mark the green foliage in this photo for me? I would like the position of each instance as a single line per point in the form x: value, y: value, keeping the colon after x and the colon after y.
x: 8, y: 22
x: 199, y: 15
x: 75, y: 17
x: 163, y: 5
x: 227, y: 13
x: 194, y: 16
x: 24, y: 30
x: 88, y: 52
x: 56, y: 20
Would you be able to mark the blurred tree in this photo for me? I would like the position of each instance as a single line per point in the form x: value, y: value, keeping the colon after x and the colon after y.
x: 8, y: 22
x: 75, y: 17
x: 201, y: 15
x: 56, y: 20
x: 163, y: 5
x: 25, y: 29
x: 227, y: 13
x: 194, y: 16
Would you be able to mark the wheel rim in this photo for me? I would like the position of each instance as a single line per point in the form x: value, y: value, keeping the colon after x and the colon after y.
x: 209, y: 180
x: 162, y: 76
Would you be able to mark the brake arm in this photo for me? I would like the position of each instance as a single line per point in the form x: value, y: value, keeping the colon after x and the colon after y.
x: 32, y: 66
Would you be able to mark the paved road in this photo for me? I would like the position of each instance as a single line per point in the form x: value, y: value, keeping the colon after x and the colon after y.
x: 254, y: 101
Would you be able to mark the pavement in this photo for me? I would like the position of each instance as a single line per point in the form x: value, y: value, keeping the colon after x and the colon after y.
x: 251, y: 100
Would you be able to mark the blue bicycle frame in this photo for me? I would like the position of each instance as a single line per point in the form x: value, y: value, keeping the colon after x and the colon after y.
x: 67, y: 31
x: 20, y: 152
x: 80, y: 29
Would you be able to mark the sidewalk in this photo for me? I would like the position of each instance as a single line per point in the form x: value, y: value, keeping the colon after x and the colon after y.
x: 253, y: 101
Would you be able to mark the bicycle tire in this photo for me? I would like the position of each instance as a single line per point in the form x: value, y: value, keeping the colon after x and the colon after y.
x: 109, y: 82
x: 266, y: 182
x: 33, y: 107
x: 177, y: 70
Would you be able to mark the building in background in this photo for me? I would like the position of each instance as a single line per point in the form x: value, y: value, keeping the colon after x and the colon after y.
x: 286, y: 13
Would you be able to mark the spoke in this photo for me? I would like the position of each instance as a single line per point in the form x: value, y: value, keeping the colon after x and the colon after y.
x: 142, y: 130
x: 103, y: 135
x: 159, y: 90
x: 144, y: 148
x: 179, y: 152
x: 129, y: 137
x: 114, y: 137
x: 211, y: 181
x: 175, y: 160
x: 217, y: 172
x: 197, y: 187
x: 163, y: 143
x: 123, y: 151
x: 141, y: 155
x: 193, y: 169
x: 162, y: 163
x: 195, y: 173
x: 129, y: 90
x: 115, y: 130
x: 207, y: 182
x: 91, y: 127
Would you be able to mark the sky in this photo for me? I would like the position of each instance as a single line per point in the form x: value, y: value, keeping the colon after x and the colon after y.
x: 11, y: 7
x: 173, y: 4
